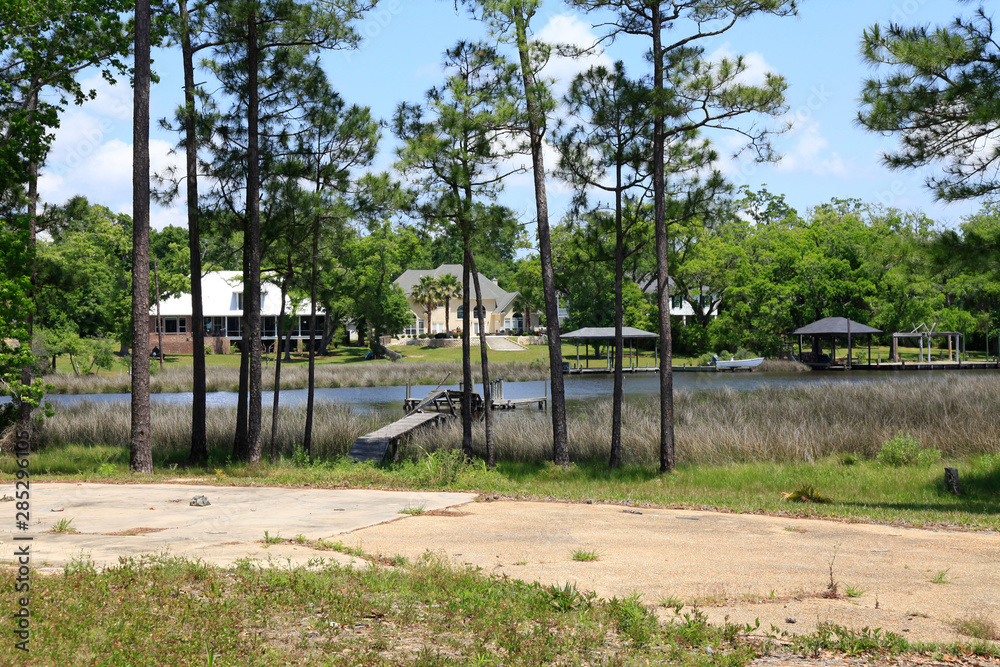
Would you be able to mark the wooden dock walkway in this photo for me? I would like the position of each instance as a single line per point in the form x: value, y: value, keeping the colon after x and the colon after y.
x: 444, y: 400
x: 376, y: 445
x: 450, y: 400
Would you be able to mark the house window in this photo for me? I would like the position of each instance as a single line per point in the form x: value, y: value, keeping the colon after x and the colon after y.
x: 215, y: 326
x: 676, y: 302
x: 172, y: 325
x: 234, y: 327
x: 416, y: 327
x: 506, y: 323
x: 475, y: 311
x: 238, y: 299
x: 437, y: 327
x: 270, y: 327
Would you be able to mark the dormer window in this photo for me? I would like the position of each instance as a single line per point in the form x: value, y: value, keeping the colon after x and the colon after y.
x: 238, y: 300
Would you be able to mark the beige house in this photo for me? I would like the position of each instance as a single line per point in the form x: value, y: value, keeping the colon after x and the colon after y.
x: 500, y: 313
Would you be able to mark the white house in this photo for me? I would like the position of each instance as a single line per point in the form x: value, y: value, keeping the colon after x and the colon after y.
x: 222, y: 304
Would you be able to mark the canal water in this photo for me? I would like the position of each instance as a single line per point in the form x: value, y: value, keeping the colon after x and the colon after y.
x: 581, y: 390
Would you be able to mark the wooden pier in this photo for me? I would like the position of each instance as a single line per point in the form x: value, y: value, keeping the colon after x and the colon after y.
x: 924, y: 366
x: 450, y: 400
x: 381, y: 444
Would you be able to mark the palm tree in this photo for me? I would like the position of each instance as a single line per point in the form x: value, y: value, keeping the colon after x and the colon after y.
x: 448, y: 288
x: 425, y: 294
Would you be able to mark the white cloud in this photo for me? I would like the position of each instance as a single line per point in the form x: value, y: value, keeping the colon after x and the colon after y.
x: 112, y: 101
x: 570, y: 30
x: 809, y: 151
x: 101, y: 170
x: 755, y: 66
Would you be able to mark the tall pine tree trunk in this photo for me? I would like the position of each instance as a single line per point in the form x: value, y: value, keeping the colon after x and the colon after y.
x: 27, y: 375
x: 466, y: 349
x: 536, y: 133
x: 140, y: 447
x: 616, y: 397
x: 313, y: 277
x: 662, y: 270
x: 491, y: 459
x: 199, y: 438
x: 277, y: 373
x: 251, y: 314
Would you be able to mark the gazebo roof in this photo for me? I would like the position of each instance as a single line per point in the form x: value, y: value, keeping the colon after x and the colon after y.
x: 607, y: 333
x: 829, y: 326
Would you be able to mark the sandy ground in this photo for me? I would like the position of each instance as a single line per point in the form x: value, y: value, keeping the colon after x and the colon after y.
x: 744, y: 567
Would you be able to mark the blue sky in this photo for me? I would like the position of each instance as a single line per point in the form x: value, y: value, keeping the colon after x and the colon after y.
x: 825, y: 154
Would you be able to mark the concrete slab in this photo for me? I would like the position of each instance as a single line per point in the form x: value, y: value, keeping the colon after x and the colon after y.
x: 115, y: 520
x: 737, y: 566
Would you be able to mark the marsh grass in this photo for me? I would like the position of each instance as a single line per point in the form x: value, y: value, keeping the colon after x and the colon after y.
x: 335, y: 428
x: 776, y: 424
x: 725, y: 426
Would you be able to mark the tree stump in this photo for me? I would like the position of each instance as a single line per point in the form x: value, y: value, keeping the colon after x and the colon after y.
x: 951, y: 481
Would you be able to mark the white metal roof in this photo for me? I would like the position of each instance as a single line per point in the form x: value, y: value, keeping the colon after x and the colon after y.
x: 219, y: 290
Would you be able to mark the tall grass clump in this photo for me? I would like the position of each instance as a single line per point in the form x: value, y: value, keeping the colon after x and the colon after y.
x: 335, y: 427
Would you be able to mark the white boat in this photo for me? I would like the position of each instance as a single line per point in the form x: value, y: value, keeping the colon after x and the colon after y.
x: 738, y: 364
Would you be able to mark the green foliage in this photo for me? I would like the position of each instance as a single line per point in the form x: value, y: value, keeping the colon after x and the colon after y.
x: 440, y: 468
x: 84, y: 271
x: 300, y: 457
x: 904, y: 450
x: 940, y: 578
x: 633, y: 619
x: 865, y: 641
x: 938, y: 98
x: 43, y: 48
x: 63, y: 526
x: 585, y: 555
x: 568, y: 597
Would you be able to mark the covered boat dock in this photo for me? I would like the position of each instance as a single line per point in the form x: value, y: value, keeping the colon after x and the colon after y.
x: 832, y: 327
x: 629, y: 334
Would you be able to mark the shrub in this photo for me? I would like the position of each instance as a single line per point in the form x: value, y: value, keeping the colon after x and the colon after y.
x: 208, y: 350
x: 905, y: 450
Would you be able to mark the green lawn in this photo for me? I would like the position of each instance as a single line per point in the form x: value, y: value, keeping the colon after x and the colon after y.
x: 413, y: 353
